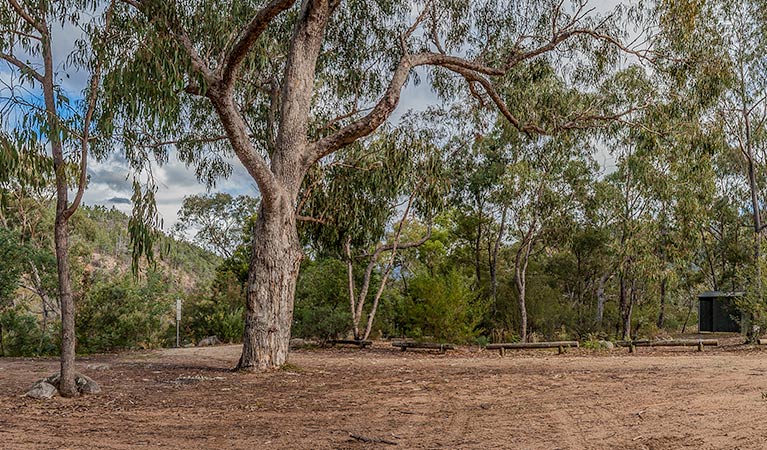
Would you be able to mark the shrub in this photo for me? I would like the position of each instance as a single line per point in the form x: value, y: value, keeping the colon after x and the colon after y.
x: 20, y: 334
x: 322, y: 301
x: 443, y: 306
x: 215, y: 316
x: 120, y: 313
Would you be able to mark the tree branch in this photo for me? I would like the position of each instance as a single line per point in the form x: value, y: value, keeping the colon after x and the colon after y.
x: 23, y: 67
x: 248, y: 36
x: 487, y: 85
x: 84, y: 139
x: 28, y: 18
x: 236, y: 131
x: 174, y: 27
x: 310, y: 219
x: 298, y: 78
x: 400, y: 246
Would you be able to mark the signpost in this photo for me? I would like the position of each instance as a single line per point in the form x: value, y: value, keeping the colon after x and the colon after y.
x: 178, y: 321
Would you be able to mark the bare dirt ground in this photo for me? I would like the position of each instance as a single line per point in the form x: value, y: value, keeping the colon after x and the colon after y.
x: 468, y: 399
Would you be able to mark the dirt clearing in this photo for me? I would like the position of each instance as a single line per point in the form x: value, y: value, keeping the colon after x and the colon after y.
x: 188, y: 399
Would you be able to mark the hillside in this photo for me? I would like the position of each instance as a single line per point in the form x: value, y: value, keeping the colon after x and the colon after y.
x: 115, y: 309
x: 101, y: 237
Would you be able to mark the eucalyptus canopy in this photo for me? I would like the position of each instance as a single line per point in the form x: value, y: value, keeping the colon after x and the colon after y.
x: 282, y: 85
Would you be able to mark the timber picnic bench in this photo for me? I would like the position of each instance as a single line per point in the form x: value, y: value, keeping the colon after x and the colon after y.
x: 559, y: 345
x: 361, y: 343
x: 699, y: 343
x: 404, y: 345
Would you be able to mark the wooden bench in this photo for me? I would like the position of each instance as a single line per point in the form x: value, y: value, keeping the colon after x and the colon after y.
x: 559, y: 345
x: 404, y: 345
x: 358, y: 343
x: 635, y: 342
x: 699, y: 343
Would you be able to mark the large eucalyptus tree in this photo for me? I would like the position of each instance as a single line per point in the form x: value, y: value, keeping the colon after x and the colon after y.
x: 284, y: 84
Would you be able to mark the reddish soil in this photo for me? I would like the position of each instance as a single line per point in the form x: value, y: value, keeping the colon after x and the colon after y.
x: 188, y: 399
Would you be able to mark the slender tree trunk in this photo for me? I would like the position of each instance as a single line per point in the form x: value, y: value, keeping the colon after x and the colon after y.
x: 350, y: 282
x: 757, y: 223
x: 478, y: 242
x: 274, y: 264
x: 709, y: 259
x: 392, y: 249
x: 521, y: 294
x: 662, y: 314
x: 632, y: 302
x: 757, y: 219
x: 625, y: 305
x: 67, y: 387
x: 520, y: 276
x: 494, y: 262
x: 601, y: 298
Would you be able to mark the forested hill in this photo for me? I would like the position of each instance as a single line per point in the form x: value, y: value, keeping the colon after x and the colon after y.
x: 100, y: 240
x: 115, y: 307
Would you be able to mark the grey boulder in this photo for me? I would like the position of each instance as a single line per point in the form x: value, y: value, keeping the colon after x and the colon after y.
x: 42, y: 390
x: 48, y: 387
x: 208, y: 341
x: 86, y: 385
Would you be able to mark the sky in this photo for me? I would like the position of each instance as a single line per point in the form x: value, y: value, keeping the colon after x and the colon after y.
x: 110, y: 183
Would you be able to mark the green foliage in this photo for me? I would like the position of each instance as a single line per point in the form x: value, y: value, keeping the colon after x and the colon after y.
x: 143, y: 225
x: 20, y: 334
x: 12, y: 266
x: 219, y: 221
x: 220, y: 313
x: 356, y: 195
x: 322, y: 301
x: 443, y: 307
x: 121, y: 314
x: 22, y: 164
x: 669, y: 209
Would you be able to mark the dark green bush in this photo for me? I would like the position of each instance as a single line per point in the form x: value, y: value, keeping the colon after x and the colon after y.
x: 120, y: 313
x: 443, y: 307
x: 20, y: 334
x: 322, y: 301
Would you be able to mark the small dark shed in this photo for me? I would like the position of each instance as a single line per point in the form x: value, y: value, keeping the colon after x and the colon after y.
x: 717, y: 312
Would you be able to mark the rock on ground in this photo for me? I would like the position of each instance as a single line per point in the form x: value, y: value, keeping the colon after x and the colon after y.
x: 48, y: 387
x: 42, y: 390
x: 208, y: 341
x: 86, y: 385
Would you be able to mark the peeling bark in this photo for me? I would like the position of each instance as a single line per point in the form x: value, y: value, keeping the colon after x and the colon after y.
x: 274, y: 264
